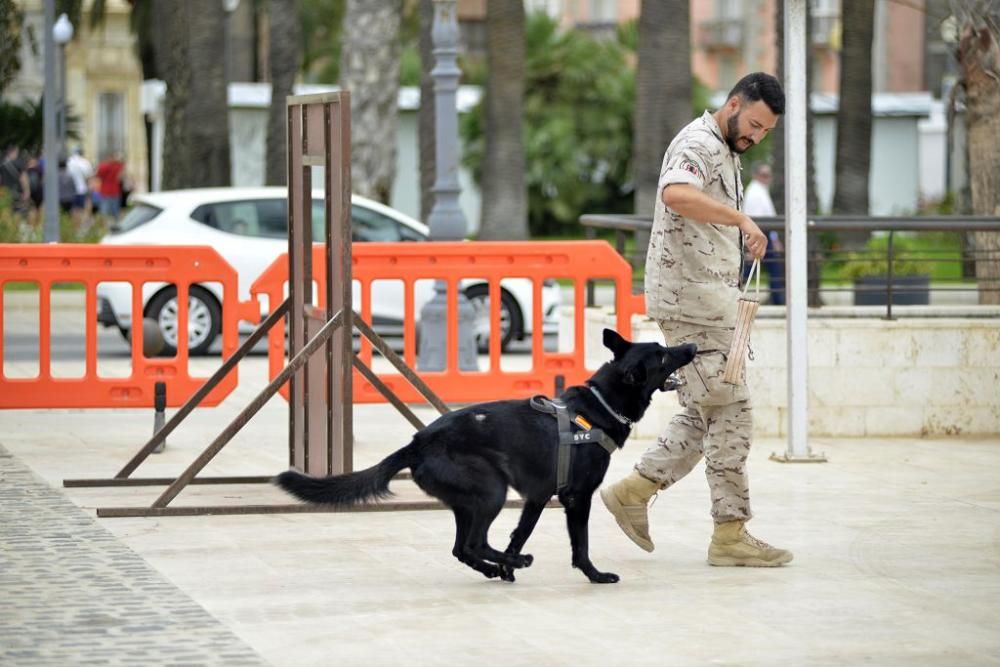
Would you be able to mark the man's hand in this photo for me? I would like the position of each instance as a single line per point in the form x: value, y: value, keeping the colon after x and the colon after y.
x: 756, y: 240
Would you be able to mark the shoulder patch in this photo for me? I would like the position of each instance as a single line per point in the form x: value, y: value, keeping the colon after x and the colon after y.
x: 691, y: 167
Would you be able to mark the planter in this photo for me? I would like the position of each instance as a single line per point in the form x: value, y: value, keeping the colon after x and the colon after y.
x: 906, y: 291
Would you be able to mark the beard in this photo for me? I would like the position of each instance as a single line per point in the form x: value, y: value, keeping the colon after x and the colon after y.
x: 732, y: 140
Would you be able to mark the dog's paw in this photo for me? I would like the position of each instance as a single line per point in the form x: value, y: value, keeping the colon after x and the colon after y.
x: 492, y: 571
x: 507, y: 574
x: 604, y: 578
x: 527, y: 559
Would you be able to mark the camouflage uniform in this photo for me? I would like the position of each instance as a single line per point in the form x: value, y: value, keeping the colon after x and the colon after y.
x: 692, y: 286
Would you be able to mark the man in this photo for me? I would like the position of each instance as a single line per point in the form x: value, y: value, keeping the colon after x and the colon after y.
x: 109, y: 173
x: 758, y: 204
x: 81, y: 171
x: 692, y: 286
x: 14, y: 177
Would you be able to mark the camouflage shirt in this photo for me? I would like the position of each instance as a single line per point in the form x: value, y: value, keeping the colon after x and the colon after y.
x: 693, y: 268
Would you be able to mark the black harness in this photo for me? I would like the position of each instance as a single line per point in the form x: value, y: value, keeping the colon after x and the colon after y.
x: 568, y: 437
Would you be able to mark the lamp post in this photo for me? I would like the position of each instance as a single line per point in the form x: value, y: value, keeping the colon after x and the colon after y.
x: 57, y: 33
x: 446, y: 220
x: 50, y: 184
x: 62, y: 32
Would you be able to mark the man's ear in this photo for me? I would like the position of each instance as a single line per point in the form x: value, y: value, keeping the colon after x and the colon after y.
x: 615, y: 343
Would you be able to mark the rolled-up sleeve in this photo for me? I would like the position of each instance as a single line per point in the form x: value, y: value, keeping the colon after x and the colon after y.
x: 688, y: 164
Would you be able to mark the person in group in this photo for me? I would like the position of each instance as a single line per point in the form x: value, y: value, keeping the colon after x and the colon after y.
x: 81, y: 171
x: 758, y: 204
x: 109, y: 172
x: 14, y: 179
x: 692, y: 287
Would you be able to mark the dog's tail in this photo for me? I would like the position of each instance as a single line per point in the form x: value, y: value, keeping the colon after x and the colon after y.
x: 351, y: 488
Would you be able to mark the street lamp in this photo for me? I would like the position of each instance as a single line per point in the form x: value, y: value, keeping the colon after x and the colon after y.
x: 446, y: 220
x: 50, y: 184
x: 62, y: 32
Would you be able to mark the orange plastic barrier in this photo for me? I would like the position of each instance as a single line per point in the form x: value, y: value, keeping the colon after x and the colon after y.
x: 452, y: 262
x: 89, y: 265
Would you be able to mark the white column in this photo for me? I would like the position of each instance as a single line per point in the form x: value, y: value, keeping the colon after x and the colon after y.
x: 796, y: 220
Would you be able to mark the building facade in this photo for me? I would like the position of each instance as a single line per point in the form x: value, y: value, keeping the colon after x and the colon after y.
x: 103, y: 83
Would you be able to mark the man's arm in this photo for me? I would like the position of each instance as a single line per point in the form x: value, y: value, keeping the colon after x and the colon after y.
x: 689, y: 201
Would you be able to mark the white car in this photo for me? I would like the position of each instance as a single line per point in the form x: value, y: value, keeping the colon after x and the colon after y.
x: 249, y: 228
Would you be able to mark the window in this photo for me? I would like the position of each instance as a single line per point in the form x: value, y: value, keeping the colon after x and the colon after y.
x: 140, y: 214
x: 260, y: 217
x: 110, y: 123
x: 603, y: 11
x: 369, y: 225
x: 268, y: 218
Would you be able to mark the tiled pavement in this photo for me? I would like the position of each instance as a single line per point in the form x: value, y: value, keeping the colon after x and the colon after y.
x: 73, y: 594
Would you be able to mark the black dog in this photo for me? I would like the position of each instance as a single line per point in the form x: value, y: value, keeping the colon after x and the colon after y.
x: 469, y: 457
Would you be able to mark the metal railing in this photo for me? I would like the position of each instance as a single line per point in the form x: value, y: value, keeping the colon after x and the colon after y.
x: 891, y: 289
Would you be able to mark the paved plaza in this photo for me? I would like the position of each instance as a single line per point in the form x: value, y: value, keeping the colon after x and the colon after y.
x: 897, y: 561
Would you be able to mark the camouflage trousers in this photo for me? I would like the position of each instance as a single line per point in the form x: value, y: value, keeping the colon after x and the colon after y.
x: 716, y: 423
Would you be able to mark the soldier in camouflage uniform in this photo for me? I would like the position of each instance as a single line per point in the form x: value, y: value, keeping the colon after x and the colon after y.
x: 692, y: 287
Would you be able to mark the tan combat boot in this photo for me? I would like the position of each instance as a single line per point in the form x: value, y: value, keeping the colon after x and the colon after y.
x: 626, y: 500
x: 732, y: 545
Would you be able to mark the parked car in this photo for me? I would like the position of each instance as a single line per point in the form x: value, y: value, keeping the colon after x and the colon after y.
x: 249, y: 228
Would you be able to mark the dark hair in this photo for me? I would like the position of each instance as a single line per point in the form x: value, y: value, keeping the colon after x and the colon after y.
x: 761, y: 86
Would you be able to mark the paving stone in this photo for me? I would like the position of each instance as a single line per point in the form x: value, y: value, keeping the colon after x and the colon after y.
x: 74, y: 595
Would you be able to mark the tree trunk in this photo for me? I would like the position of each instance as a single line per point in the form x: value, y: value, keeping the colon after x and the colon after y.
x: 854, y: 112
x: 978, y: 55
x: 196, y: 142
x: 426, y: 115
x: 369, y: 69
x: 662, y: 98
x: 284, y: 58
x: 505, y: 208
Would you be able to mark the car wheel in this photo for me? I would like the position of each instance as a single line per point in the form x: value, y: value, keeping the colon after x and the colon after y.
x: 204, y: 319
x: 511, y: 321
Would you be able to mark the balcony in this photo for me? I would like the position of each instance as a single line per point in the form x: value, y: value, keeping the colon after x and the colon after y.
x: 721, y: 34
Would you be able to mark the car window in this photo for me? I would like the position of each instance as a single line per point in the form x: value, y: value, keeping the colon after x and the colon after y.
x: 253, y: 217
x: 233, y: 217
x: 369, y: 225
x: 269, y: 218
x: 139, y: 215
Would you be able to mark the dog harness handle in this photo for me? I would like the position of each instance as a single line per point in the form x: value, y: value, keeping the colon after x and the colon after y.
x: 567, y: 437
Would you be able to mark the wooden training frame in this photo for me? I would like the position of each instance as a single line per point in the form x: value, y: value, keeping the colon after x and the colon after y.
x: 321, y: 356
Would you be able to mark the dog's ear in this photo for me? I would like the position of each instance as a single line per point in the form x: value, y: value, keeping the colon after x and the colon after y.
x: 615, y: 343
x: 636, y: 375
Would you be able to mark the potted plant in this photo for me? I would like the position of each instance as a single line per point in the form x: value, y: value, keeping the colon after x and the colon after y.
x: 869, y: 271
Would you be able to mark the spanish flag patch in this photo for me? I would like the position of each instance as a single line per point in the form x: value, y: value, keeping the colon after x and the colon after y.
x: 583, y: 423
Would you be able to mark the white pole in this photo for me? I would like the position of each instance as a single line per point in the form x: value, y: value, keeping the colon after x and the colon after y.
x: 796, y: 109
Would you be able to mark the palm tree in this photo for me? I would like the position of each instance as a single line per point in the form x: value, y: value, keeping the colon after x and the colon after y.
x: 662, y: 97
x: 369, y: 69
x: 283, y: 44
x: 505, y: 207
x: 854, y: 112
x: 662, y: 91
x: 196, y: 142
x: 978, y: 54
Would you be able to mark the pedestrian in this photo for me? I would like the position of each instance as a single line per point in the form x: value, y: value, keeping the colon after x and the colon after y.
x: 109, y: 172
x: 81, y: 170
x: 758, y: 204
x: 692, y: 287
x: 14, y: 178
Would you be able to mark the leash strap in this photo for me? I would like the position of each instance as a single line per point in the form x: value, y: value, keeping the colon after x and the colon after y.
x: 755, y: 275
